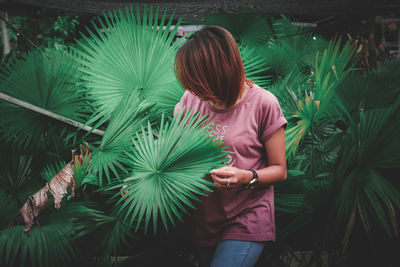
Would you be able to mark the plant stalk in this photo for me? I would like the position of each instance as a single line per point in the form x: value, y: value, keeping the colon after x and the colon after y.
x: 50, y: 114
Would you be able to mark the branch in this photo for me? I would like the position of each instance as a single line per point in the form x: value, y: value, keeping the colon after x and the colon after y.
x: 50, y: 114
x: 21, y: 33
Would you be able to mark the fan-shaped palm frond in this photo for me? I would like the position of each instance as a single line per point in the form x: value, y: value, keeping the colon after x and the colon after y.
x: 128, y: 118
x: 290, y: 48
x: 128, y: 53
x: 374, y: 89
x: 47, y: 79
x: 18, y: 174
x: 168, y: 172
x: 370, y: 196
x: 49, y: 246
x: 8, y: 209
x: 363, y: 190
x: 280, y: 58
x: 99, y: 235
x: 254, y: 66
x: 249, y: 29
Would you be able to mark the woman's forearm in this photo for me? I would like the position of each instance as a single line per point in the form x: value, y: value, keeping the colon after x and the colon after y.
x: 272, y: 174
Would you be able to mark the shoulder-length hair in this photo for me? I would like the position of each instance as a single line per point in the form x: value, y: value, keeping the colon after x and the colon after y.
x: 210, y: 66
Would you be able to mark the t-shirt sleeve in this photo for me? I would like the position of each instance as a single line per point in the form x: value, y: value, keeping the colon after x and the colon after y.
x: 178, y: 107
x: 272, y: 117
x: 182, y: 103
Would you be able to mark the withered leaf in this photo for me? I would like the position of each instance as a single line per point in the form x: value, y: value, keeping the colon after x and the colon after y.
x: 57, y: 187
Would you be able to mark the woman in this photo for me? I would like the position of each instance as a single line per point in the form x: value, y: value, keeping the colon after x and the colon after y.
x: 233, y: 223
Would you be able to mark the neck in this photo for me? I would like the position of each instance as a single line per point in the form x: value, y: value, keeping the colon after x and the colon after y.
x: 222, y: 106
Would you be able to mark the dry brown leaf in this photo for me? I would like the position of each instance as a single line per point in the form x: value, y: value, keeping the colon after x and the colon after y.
x: 57, y: 187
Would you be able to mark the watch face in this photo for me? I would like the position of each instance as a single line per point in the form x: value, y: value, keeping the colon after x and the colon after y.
x: 254, y: 181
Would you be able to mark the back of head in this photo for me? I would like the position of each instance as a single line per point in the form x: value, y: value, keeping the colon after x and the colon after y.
x: 210, y: 66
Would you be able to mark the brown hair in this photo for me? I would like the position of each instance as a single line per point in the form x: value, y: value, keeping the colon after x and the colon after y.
x: 210, y: 66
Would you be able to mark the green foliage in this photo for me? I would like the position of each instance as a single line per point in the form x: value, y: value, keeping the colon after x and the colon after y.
x: 321, y: 105
x: 342, y: 135
x: 131, y: 53
x: 291, y: 48
x: 52, y: 245
x: 8, y: 209
x: 362, y: 188
x: 254, y: 66
x: 104, y: 232
x: 51, y: 170
x: 18, y: 173
x: 59, y: 33
x: 168, y: 171
x: 127, y: 119
x: 374, y: 89
x: 47, y: 79
x: 43, y: 27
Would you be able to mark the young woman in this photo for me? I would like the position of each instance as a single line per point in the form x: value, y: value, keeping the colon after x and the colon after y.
x: 232, y: 223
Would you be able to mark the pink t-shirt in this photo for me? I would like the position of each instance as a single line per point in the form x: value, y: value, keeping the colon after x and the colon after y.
x: 238, y: 213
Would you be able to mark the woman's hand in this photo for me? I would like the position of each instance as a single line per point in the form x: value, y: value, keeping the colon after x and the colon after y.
x: 229, y: 177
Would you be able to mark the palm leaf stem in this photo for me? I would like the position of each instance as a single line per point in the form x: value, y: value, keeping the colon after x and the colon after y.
x: 50, y: 114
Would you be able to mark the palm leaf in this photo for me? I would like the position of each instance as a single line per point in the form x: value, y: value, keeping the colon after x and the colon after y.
x: 321, y: 104
x: 375, y: 89
x: 362, y: 188
x: 288, y: 195
x: 128, y: 118
x: 249, y: 29
x: 280, y: 58
x: 128, y: 53
x: 375, y: 134
x: 46, y: 79
x: 51, y: 170
x: 372, y: 197
x: 168, y: 172
x: 113, y: 232
x: 49, y: 246
x: 8, y: 209
x: 330, y: 69
x: 254, y: 66
x: 291, y: 48
x: 100, y: 234
x: 289, y: 90
x: 18, y: 174
x: 79, y: 168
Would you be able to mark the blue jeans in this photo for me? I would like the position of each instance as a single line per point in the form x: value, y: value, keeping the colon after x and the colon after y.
x: 230, y: 253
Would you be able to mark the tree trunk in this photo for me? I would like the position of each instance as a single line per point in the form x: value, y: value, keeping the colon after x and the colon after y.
x: 4, y: 34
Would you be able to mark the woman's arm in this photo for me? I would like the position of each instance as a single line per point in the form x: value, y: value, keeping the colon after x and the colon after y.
x: 275, y: 172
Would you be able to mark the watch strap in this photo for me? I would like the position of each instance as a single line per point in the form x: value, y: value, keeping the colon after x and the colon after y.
x: 254, y: 180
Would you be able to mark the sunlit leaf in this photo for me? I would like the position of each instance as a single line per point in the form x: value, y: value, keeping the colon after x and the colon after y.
x: 168, y: 171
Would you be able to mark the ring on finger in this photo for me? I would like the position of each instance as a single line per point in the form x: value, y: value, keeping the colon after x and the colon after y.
x: 229, y: 182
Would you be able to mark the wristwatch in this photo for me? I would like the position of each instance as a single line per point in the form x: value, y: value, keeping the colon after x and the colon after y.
x: 253, y: 181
